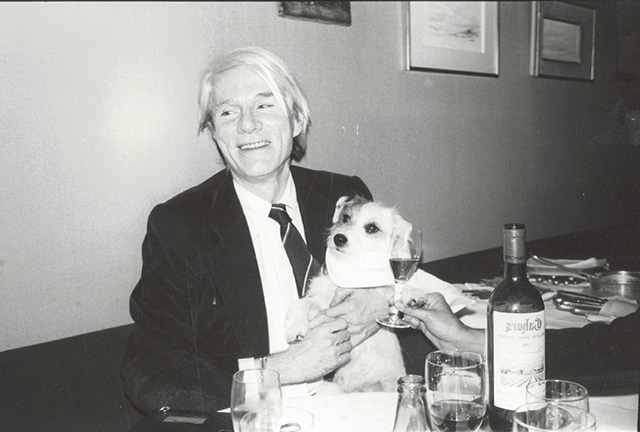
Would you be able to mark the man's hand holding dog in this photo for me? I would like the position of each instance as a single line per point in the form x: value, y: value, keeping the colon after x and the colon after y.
x: 325, y: 347
x: 360, y: 308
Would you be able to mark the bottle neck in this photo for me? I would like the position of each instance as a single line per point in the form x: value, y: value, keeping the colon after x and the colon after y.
x: 515, y: 257
x: 515, y: 271
x: 411, y: 386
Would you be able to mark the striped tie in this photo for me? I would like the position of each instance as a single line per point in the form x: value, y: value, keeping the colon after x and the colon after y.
x: 303, y: 263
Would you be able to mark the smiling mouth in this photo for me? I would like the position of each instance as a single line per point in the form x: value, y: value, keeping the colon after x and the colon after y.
x: 254, y: 145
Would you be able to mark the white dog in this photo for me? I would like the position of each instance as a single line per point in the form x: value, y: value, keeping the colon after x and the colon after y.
x: 358, y: 248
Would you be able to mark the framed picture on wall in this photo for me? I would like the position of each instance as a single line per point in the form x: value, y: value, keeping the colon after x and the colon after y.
x: 562, y: 40
x: 457, y: 37
x: 325, y: 12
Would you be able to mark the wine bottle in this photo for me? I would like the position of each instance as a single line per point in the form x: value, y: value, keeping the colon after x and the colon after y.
x: 515, y: 333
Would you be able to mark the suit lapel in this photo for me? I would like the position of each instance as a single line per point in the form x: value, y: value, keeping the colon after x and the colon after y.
x: 236, y: 271
x: 232, y: 261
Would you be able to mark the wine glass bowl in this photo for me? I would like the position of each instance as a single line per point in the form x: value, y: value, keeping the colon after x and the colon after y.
x: 546, y: 416
x: 404, y: 257
x: 254, y: 389
x: 287, y: 419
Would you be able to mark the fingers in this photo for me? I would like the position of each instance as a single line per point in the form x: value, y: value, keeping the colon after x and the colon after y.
x: 412, y: 321
x: 343, y: 347
x: 422, y: 301
x: 322, y: 318
x: 340, y: 295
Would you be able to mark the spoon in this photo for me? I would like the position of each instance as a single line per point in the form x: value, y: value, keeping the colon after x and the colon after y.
x: 585, y: 275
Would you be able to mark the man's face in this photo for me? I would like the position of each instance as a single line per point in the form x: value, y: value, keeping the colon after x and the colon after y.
x: 253, y: 132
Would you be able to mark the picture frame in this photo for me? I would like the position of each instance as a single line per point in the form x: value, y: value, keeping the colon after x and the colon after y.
x: 324, y: 12
x: 455, y: 37
x: 562, y: 40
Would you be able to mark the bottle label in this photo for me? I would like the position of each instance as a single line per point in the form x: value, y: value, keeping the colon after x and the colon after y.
x: 518, y: 355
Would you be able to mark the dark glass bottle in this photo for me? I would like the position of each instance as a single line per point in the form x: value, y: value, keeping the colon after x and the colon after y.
x: 515, y: 333
x: 411, y: 412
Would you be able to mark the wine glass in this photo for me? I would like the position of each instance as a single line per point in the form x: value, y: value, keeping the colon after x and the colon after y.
x: 559, y: 391
x: 404, y: 258
x: 253, y: 389
x: 289, y: 419
x: 552, y: 416
x: 456, y: 387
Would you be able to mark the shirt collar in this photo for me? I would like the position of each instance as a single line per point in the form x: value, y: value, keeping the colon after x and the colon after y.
x: 255, y: 206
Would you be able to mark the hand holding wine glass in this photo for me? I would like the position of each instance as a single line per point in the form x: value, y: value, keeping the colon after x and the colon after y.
x: 405, y: 255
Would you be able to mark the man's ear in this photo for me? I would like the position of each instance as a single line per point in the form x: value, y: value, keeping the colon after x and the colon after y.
x: 297, y: 123
x: 297, y: 127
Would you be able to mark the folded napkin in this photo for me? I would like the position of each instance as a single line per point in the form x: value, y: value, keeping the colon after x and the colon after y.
x: 372, y: 269
x: 368, y: 269
x: 615, y: 307
x: 535, y: 266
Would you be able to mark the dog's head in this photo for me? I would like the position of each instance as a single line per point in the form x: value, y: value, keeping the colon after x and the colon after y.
x: 360, y: 225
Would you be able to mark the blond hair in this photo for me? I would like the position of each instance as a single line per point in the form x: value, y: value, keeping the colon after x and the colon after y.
x: 273, y: 70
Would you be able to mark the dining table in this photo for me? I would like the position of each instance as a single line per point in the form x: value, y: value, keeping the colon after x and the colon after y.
x: 375, y: 411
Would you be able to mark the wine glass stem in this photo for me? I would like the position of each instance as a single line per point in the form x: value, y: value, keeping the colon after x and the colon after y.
x: 397, y: 291
x: 397, y: 296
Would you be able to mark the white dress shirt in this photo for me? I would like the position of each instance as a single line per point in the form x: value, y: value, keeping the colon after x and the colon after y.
x: 276, y: 274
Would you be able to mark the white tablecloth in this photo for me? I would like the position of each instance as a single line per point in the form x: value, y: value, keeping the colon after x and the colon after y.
x: 375, y: 412
x: 475, y: 315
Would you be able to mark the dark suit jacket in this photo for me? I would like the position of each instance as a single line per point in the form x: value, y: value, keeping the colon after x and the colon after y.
x: 198, y: 306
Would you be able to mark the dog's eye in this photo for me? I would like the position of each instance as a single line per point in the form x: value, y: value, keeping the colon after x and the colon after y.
x: 345, y: 218
x: 371, y: 228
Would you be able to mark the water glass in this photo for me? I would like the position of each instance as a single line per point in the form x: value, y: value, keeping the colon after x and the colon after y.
x: 289, y: 419
x: 253, y: 389
x: 552, y: 416
x: 261, y: 420
x: 456, y: 386
x: 559, y: 391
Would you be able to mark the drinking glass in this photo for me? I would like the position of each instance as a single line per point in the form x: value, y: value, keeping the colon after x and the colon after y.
x: 253, y: 389
x: 552, y: 416
x: 404, y: 258
x: 456, y: 386
x: 289, y: 419
x: 559, y: 391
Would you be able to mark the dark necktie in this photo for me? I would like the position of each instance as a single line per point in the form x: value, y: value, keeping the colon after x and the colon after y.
x: 303, y: 263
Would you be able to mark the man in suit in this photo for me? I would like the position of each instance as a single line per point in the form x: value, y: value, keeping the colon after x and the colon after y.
x: 216, y: 282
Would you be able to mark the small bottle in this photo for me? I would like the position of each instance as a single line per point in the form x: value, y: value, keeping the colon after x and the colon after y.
x: 515, y: 333
x: 411, y: 413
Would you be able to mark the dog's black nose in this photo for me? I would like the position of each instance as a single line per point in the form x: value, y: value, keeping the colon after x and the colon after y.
x: 340, y: 239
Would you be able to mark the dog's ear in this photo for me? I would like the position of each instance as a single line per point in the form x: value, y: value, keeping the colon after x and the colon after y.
x: 340, y: 204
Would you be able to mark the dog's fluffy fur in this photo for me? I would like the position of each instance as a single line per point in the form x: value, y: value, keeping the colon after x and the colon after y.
x: 359, y: 225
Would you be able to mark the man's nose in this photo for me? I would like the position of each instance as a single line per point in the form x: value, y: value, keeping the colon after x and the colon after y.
x: 248, y: 122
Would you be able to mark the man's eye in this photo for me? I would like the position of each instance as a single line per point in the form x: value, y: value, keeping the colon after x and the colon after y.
x: 371, y: 228
x: 345, y: 218
x: 225, y: 113
x: 265, y: 106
